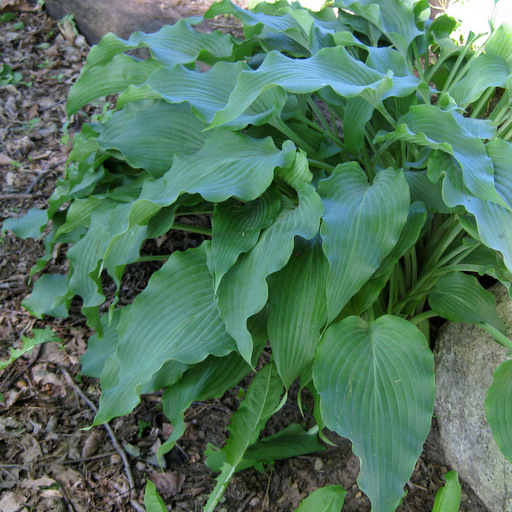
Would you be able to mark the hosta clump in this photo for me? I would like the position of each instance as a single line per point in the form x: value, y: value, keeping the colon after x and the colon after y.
x: 355, y: 164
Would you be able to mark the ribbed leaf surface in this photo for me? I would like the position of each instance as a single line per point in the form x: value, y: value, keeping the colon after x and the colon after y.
x: 361, y: 224
x: 299, y: 309
x: 174, y: 318
x: 376, y: 382
x: 149, y: 134
x: 243, y: 291
x: 498, y: 408
x: 236, y: 228
x: 459, y: 297
x: 332, y: 67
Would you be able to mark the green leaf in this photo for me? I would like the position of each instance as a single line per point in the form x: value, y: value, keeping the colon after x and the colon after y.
x: 262, y: 399
x: 174, y: 318
x: 428, y: 125
x: 31, y: 225
x: 459, y: 297
x: 181, y: 44
x: 209, y: 379
x: 498, y: 408
x: 376, y: 382
x: 394, y: 18
x: 152, y: 500
x: 366, y: 220
x: 150, y: 134
x: 243, y: 290
x: 40, y: 336
x: 229, y: 164
x: 325, y: 499
x: 50, y: 296
x: 493, y: 221
x: 107, y: 77
x: 408, y: 237
x: 448, y: 497
x: 236, y: 228
x: 299, y: 309
x: 485, y: 71
x: 207, y: 92
x: 422, y: 189
x: 292, y: 441
x: 348, y: 78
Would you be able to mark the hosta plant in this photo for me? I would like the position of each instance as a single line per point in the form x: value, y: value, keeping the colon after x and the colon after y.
x: 355, y: 165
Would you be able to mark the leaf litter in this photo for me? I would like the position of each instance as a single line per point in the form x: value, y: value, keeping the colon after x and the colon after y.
x: 47, y: 462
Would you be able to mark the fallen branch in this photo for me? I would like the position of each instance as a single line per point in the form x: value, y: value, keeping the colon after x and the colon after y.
x: 135, y: 504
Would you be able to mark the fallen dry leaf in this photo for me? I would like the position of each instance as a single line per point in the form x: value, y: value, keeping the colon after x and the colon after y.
x: 44, y: 481
x: 168, y: 483
x: 12, y: 502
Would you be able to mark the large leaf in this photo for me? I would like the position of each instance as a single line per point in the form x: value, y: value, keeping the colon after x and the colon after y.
x: 494, y: 222
x: 394, y: 18
x: 149, y: 134
x: 325, y: 499
x: 376, y: 382
x: 261, y: 401
x: 31, y: 225
x: 243, y: 290
x: 299, y: 309
x: 485, y: 71
x: 229, y: 164
x: 361, y: 224
x: 348, y: 78
x: 174, y: 318
x: 207, y: 92
x: 50, y: 296
x: 432, y: 127
x: 459, y: 297
x: 236, y: 228
x: 498, y: 408
x: 108, y: 70
x: 408, y: 237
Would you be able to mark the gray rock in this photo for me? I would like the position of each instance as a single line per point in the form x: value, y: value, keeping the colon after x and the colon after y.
x: 466, y: 357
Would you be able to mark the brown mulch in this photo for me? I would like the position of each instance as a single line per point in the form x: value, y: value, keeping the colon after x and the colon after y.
x: 47, y: 461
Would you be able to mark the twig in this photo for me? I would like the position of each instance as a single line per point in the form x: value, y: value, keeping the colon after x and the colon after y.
x: 4, y: 197
x: 49, y: 168
x: 135, y: 504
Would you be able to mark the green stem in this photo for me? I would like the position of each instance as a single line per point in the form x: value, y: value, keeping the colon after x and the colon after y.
x: 501, y: 109
x: 286, y: 130
x: 482, y: 104
x: 191, y: 228
x: 158, y: 257
x: 321, y: 117
x: 422, y: 317
x: 498, y: 337
x: 321, y: 165
x: 419, y: 67
x: 464, y: 70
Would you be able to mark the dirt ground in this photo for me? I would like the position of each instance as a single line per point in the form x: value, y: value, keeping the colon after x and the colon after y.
x: 48, y: 462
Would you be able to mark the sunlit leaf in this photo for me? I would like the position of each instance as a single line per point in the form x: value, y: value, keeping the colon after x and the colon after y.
x: 325, y: 499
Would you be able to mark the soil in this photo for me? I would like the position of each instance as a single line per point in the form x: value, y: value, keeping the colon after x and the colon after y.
x: 48, y: 461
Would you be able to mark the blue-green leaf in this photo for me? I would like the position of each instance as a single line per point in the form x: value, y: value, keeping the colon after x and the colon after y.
x: 376, y: 382
x: 174, y: 318
x: 459, y: 297
x: 243, y: 291
x: 428, y: 125
x: 299, y: 309
x: 363, y: 220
